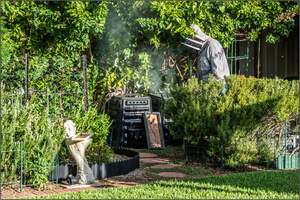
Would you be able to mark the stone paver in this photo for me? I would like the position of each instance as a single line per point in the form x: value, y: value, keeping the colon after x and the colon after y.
x: 75, y: 186
x: 172, y: 174
x: 148, y: 155
x: 155, y: 160
x: 165, y: 166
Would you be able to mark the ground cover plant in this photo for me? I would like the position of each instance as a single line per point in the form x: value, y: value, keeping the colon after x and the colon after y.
x: 251, y: 185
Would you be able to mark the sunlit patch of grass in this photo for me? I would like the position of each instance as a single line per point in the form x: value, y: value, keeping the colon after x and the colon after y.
x: 250, y: 185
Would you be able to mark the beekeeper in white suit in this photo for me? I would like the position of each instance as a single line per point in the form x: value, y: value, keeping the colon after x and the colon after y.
x: 211, y: 56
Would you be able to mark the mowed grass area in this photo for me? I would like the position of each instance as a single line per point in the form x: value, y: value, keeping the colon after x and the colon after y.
x: 249, y: 185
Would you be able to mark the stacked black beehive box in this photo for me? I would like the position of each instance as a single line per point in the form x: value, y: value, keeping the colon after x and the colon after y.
x: 128, y: 129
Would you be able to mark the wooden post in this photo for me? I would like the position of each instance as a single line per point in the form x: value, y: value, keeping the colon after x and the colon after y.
x: 21, y: 167
x: 258, y: 59
x: 1, y: 112
x: 26, y: 78
x: 190, y: 63
x: 61, y: 106
x: 48, y: 101
x: 85, y: 89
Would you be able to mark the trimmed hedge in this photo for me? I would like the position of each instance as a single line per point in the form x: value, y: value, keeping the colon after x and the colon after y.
x: 241, y: 127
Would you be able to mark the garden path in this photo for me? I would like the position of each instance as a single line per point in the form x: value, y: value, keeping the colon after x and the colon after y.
x: 161, y: 164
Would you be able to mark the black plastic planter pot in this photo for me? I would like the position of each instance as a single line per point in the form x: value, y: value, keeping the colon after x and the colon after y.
x: 101, y: 170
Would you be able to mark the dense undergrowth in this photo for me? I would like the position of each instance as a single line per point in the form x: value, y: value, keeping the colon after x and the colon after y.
x: 243, y: 126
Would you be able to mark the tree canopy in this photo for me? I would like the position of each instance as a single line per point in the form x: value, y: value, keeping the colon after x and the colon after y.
x: 116, y: 35
x: 161, y: 21
x: 50, y: 30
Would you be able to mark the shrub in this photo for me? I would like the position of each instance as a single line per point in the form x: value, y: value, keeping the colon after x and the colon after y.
x: 240, y: 149
x: 98, y: 125
x: 41, y: 135
x: 43, y: 139
x: 238, y: 124
x: 187, y: 105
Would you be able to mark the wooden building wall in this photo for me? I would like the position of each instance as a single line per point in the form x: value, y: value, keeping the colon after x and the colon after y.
x: 280, y: 59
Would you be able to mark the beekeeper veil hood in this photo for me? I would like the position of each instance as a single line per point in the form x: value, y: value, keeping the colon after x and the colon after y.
x: 199, y: 34
x: 199, y: 41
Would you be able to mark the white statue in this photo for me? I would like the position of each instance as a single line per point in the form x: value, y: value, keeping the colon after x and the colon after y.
x: 77, y: 145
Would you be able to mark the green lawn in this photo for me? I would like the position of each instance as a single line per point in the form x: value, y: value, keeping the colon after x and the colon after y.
x: 255, y: 185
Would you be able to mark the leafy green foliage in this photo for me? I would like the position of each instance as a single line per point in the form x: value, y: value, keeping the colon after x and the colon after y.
x: 40, y: 134
x: 40, y: 129
x: 57, y: 27
x: 170, y: 20
x: 55, y: 34
x: 233, y: 124
x: 162, y: 25
x: 125, y: 67
x: 125, y: 75
x: 98, y: 125
x: 186, y: 105
x: 116, y: 36
x: 253, y: 185
x: 241, y: 149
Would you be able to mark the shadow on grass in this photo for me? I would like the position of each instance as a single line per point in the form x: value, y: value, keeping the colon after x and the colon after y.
x: 250, y: 182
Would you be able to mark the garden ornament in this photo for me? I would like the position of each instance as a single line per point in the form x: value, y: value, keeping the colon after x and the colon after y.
x: 211, y: 55
x: 77, y: 145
